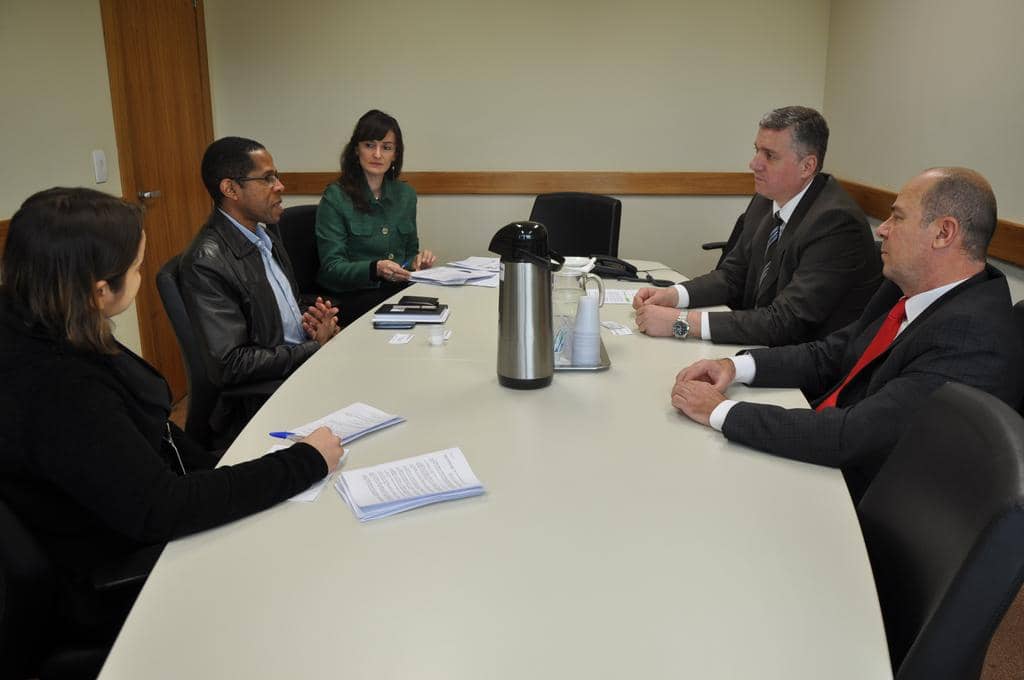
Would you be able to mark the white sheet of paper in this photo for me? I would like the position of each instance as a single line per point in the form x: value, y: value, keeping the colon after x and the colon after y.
x: 487, y: 264
x: 615, y: 296
x: 427, y: 474
x: 351, y: 422
x: 617, y: 328
x: 313, y: 492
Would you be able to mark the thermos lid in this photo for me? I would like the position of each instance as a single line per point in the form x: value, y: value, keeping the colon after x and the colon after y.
x: 524, y: 242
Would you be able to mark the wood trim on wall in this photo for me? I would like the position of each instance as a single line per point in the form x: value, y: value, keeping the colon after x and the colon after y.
x: 1007, y: 243
x: 529, y: 183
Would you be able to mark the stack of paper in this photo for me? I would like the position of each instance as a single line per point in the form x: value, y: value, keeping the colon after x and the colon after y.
x: 479, y: 264
x: 352, y: 422
x: 449, y: 276
x: 390, y: 488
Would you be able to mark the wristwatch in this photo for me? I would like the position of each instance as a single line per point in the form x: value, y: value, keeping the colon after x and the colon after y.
x: 680, y: 329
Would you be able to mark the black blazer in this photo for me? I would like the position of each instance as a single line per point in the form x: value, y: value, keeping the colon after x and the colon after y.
x: 86, y: 465
x: 827, y: 268
x: 968, y: 336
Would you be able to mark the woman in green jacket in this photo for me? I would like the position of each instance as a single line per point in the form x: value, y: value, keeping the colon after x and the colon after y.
x: 366, y: 221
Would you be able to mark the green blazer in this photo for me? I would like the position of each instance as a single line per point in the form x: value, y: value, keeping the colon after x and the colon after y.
x: 350, y: 241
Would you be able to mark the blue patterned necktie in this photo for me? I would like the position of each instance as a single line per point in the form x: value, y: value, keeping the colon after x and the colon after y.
x: 769, y: 251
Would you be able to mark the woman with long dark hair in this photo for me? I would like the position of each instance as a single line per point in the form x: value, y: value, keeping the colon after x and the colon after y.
x: 366, y: 221
x: 88, y: 459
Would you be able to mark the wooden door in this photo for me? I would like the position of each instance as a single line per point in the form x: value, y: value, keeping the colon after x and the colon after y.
x: 160, y: 92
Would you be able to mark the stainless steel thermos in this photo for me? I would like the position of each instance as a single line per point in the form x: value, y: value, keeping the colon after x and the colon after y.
x: 525, y: 354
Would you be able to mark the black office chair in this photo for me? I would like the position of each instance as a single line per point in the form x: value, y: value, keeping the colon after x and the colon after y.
x: 297, y: 231
x: 1018, y: 317
x: 202, y: 393
x: 726, y: 246
x: 579, y: 224
x: 28, y: 593
x: 944, y: 525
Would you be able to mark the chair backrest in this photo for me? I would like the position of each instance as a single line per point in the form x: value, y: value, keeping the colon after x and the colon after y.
x: 579, y: 224
x: 297, y: 230
x: 27, y: 596
x: 202, y: 393
x: 944, y: 525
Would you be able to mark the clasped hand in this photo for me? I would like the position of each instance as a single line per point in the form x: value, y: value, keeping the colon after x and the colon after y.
x: 700, y: 387
x: 320, y: 321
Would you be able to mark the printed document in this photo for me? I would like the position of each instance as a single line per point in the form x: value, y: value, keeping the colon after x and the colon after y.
x: 390, y: 488
x: 352, y: 422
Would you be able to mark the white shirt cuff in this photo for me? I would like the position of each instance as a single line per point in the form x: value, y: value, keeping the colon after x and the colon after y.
x: 705, y: 327
x: 684, y: 297
x: 717, y: 417
x: 746, y: 368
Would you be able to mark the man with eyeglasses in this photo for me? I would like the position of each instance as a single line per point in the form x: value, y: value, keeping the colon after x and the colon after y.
x: 238, y: 284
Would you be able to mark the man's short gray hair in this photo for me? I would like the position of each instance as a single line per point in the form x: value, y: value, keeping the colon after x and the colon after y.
x: 810, y: 131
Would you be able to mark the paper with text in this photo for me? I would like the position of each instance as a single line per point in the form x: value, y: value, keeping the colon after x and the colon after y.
x: 390, y: 488
x: 352, y: 422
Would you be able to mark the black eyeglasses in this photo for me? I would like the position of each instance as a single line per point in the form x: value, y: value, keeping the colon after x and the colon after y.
x: 270, y: 179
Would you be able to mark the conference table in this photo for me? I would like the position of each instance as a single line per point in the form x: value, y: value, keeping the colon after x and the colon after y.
x: 616, y: 538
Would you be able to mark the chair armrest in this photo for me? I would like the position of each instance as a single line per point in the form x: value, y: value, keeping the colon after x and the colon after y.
x: 714, y: 245
x: 263, y: 388
x: 124, y: 574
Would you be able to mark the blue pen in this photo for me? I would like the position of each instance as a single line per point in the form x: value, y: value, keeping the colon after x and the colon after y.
x: 405, y: 265
x: 290, y: 436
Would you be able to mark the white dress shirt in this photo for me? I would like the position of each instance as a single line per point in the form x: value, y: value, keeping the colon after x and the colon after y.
x: 784, y: 212
x: 746, y: 368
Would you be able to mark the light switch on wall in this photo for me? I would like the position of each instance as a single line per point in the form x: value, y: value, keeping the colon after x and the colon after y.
x: 99, y: 165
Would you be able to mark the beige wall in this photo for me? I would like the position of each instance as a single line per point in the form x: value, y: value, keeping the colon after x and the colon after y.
x: 56, y: 107
x: 918, y: 83
x: 529, y: 85
x: 551, y: 86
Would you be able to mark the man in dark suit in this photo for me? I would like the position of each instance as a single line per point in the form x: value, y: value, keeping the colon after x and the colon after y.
x: 805, y: 263
x: 238, y: 285
x: 942, y: 315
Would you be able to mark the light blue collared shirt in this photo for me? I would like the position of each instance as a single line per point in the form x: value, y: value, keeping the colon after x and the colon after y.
x: 291, y: 318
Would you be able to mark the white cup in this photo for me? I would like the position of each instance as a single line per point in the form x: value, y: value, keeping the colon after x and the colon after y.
x: 436, y: 335
x: 587, y: 318
x: 586, y: 337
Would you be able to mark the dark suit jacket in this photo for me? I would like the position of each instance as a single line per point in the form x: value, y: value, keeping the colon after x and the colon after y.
x: 968, y: 336
x: 233, y: 308
x: 827, y: 268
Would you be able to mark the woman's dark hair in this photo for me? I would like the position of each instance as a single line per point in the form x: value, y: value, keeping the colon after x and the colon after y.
x: 61, y: 242
x: 373, y: 125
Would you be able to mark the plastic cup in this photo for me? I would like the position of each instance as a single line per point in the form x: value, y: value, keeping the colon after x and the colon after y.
x: 587, y: 318
x: 436, y: 335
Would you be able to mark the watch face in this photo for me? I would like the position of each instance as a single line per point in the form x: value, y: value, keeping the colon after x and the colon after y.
x: 680, y: 328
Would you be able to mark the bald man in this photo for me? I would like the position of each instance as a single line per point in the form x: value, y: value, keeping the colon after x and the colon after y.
x: 942, y: 315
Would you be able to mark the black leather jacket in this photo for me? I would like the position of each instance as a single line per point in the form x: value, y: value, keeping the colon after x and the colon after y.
x: 233, y: 309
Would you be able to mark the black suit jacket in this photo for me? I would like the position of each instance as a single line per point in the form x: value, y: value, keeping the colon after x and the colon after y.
x: 968, y: 336
x: 827, y: 268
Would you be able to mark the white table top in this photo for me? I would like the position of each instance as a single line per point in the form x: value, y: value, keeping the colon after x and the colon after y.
x: 617, y: 539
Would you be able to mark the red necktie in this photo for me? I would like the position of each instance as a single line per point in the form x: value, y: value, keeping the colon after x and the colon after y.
x: 883, y: 338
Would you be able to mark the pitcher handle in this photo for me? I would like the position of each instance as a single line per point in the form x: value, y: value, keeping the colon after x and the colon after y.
x: 600, y: 287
